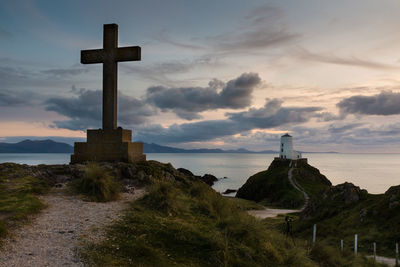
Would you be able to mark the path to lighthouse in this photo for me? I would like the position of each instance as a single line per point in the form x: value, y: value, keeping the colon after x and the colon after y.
x: 298, y: 187
x: 269, y: 213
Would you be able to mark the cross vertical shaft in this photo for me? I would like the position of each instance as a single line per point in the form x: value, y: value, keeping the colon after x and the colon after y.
x: 110, y: 43
x: 110, y: 143
x: 110, y: 55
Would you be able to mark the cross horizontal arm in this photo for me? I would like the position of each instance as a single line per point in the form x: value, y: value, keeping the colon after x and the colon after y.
x: 92, y: 56
x: 131, y: 53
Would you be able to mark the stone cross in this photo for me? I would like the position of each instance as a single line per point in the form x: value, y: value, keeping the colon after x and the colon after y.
x: 109, y: 56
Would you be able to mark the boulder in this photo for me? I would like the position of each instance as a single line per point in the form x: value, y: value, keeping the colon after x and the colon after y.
x: 347, y: 193
x: 209, y: 179
x: 229, y: 191
x: 185, y: 172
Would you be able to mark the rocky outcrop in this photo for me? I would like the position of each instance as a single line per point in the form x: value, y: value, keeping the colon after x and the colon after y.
x: 207, y: 178
x: 229, y: 191
x: 347, y: 193
x: 393, y: 194
x: 341, y: 195
x: 131, y: 175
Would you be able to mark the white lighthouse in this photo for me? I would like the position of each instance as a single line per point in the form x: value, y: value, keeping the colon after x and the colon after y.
x: 286, y: 148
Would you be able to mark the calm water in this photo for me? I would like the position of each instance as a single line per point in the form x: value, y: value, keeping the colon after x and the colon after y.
x: 374, y: 172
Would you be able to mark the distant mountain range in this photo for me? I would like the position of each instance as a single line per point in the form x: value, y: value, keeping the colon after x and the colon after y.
x: 37, y: 146
x: 154, y: 148
x: 50, y: 146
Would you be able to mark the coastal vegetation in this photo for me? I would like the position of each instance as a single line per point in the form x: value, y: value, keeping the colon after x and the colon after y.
x: 181, y: 220
x: 339, y: 211
x: 96, y: 184
x: 347, y: 210
x: 272, y: 188
x: 19, y: 192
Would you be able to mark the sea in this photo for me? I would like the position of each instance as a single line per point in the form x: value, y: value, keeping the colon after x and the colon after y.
x: 374, y: 172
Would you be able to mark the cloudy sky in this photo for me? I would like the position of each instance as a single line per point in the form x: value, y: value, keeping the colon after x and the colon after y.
x: 227, y: 73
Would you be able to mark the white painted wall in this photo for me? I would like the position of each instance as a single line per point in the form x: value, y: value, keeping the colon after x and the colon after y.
x: 286, y: 148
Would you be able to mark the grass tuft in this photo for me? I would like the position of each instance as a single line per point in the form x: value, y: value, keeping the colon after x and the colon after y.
x: 191, y: 225
x: 18, y: 196
x: 97, y: 184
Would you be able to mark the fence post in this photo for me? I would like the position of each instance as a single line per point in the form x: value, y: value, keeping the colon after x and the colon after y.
x: 355, y: 244
x: 397, y: 254
x: 374, y: 251
x: 341, y: 245
x: 314, y: 235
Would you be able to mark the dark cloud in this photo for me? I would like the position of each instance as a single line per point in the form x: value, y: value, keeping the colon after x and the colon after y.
x: 362, y: 136
x: 16, y: 98
x: 269, y: 116
x: 350, y: 61
x: 84, y: 110
x: 273, y: 114
x: 10, y: 99
x: 335, y: 129
x: 27, y: 75
x: 161, y: 72
x: 164, y: 37
x: 188, y: 102
x: 257, y: 38
x: 262, y: 28
x: 66, y: 72
x: 385, y: 103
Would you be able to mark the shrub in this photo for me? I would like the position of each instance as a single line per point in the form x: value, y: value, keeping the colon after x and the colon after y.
x: 161, y: 197
x: 97, y: 184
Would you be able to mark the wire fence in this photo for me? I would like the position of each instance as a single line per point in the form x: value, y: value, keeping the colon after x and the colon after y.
x: 392, y: 261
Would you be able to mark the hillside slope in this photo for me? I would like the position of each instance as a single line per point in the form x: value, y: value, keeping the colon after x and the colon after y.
x: 181, y: 222
x: 346, y: 210
x: 272, y: 187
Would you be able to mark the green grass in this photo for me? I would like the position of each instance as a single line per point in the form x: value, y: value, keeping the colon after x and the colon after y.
x: 272, y: 188
x: 311, y: 180
x: 244, y: 204
x: 183, y: 223
x: 329, y: 256
x: 97, y: 184
x: 337, y: 221
x: 18, y: 196
x: 191, y: 226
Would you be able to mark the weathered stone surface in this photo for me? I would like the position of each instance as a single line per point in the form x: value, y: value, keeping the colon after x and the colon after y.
x: 185, y: 172
x: 346, y: 192
x: 110, y: 55
x: 110, y: 144
x: 207, y: 178
x: 128, y: 174
x: 229, y: 191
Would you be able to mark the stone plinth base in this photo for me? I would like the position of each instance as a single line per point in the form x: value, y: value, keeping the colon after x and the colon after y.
x: 108, y: 145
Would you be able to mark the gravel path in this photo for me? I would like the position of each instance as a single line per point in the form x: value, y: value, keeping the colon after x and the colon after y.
x: 55, y: 234
x: 298, y: 187
x: 269, y: 213
x: 391, y: 262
